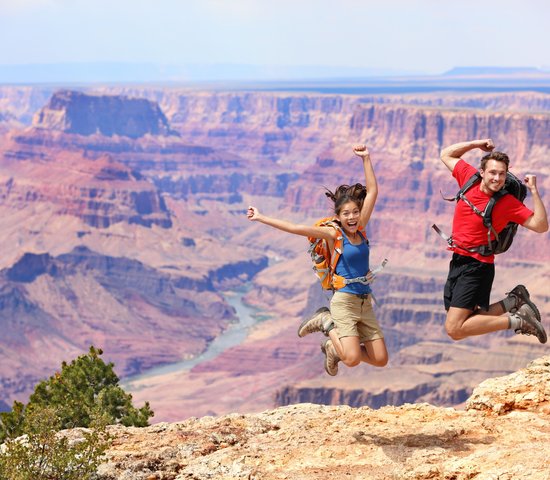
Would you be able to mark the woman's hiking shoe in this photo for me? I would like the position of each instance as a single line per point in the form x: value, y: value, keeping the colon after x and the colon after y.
x: 529, y: 324
x: 320, y: 321
x: 521, y: 296
x: 331, y: 357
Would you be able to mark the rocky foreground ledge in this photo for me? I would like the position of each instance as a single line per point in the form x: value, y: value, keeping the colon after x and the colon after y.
x: 503, y: 433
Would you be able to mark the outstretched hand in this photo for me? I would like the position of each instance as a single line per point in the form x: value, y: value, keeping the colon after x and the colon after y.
x: 361, y: 150
x: 252, y: 213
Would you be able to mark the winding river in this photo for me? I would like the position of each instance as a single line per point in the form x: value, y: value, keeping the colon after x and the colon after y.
x: 234, y: 335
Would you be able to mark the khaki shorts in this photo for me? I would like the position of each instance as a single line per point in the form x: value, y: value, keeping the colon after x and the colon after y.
x: 353, y: 316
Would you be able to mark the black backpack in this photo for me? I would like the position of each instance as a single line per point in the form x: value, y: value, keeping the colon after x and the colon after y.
x: 503, y: 240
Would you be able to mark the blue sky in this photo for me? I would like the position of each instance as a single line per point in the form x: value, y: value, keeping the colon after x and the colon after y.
x: 426, y: 36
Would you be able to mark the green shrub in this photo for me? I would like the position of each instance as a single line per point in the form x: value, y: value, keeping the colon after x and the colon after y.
x: 44, y: 453
x: 85, y: 393
x: 85, y: 387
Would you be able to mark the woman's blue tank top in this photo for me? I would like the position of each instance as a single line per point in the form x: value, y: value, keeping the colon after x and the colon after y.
x: 354, y: 262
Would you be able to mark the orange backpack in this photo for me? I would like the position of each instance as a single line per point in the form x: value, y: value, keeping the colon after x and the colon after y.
x: 324, y: 260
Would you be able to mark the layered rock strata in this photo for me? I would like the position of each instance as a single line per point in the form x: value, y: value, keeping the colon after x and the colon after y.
x: 131, y: 310
x: 276, y: 150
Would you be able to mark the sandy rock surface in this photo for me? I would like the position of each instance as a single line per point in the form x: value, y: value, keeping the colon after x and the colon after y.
x: 306, y: 441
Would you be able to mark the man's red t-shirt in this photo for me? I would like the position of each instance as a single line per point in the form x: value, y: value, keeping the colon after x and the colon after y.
x: 468, y: 228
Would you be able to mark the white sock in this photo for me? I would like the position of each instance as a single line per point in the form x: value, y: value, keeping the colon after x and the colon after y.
x: 515, y: 322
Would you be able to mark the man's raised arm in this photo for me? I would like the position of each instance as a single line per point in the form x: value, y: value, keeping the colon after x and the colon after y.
x: 452, y: 154
x: 538, y: 222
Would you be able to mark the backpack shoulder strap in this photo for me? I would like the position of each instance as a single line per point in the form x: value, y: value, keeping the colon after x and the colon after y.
x: 338, y: 246
x: 475, y: 178
x: 488, y: 212
x: 363, y: 233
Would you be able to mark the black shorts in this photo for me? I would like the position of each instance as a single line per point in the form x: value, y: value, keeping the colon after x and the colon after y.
x: 469, y: 283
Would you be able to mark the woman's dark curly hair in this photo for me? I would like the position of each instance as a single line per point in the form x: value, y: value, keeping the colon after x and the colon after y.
x: 347, y: 193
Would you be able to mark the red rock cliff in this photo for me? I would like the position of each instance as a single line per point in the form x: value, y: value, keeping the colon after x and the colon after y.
x: 84, y: 114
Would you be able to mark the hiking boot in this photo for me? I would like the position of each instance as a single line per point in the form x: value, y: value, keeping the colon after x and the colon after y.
x: 522, y: 297
x: 331, y: 357
x: 529, y: 324
x: 320, y: 321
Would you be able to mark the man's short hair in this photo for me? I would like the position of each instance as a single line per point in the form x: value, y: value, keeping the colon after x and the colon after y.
x: 498, y: 156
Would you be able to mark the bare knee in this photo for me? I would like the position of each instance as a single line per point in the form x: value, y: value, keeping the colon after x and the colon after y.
x: 455, y: 321
x: 380, y: 361
x: 351, y: 360
x: 454, y: 332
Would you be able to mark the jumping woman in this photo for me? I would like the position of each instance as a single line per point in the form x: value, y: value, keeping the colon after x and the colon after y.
x: 352, y: 328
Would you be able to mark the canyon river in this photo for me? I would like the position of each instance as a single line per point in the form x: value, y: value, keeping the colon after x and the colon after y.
x: 234, y: 335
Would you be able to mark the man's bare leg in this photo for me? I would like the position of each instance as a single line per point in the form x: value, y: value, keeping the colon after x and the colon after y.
x: 462, y: 322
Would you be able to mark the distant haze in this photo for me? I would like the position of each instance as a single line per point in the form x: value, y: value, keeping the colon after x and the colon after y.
x: 149, y: 72
x: 133, y: 73
x: 174, y: 40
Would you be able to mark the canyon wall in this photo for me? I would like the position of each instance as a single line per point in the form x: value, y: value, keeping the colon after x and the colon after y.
x: 166, y: 203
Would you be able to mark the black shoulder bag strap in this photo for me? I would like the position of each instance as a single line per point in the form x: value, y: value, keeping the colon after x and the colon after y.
x: 475, y: 178
x: 487, y: 216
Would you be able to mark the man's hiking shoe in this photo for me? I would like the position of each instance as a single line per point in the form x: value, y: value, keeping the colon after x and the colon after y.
x: 522, y: 297
x: 331, y: 357
x: 320, y: 321
x: 529, y: 324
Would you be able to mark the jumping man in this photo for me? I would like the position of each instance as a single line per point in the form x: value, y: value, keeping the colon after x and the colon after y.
x: 471, y: 274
